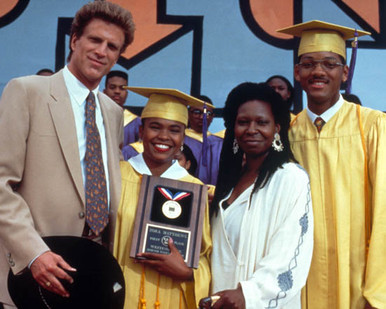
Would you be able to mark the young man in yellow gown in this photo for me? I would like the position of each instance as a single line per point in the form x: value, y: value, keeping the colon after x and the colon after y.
x: 346, y: 162
x: 163, y: 281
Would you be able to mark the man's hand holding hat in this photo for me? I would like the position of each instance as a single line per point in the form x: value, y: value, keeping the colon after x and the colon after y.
x: 48, y: 268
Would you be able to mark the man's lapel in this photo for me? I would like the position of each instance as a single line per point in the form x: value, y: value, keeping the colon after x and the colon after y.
x: 112, y: 161
x: 64, y: 121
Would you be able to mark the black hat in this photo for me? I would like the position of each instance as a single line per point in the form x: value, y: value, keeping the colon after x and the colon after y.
x: 98, y: 281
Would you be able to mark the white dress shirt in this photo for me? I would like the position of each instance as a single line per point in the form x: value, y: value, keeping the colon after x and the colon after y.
x: 78, y: 94
x: 327, y: 115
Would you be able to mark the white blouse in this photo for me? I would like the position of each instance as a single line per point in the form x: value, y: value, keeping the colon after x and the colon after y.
x: 271, y: 256
x: 233, y: 217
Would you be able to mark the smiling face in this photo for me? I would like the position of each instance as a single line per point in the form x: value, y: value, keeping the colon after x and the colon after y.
x: 162, y: 139
x: 321, y: 85
x: 255, y: 128
x: 95, y: 52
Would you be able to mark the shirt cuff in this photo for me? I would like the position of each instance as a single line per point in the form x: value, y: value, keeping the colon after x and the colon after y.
x: 34, y: 259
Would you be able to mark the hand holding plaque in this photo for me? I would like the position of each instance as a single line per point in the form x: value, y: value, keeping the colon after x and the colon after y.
x: 169, y: 209
x: 171, y: 265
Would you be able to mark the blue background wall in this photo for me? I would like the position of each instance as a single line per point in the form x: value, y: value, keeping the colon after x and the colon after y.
x: 216, y: 48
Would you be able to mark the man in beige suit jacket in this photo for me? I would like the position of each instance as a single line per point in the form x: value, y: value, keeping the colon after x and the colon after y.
x: 41, y: 160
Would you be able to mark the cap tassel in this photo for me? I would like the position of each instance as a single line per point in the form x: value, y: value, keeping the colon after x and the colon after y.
x: 204, y: 138
x: 350, y: 76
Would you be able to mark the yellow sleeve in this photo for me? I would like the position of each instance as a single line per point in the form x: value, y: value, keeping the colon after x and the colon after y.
x: 375, y: 279
x: 124, y: 226
x: 128, y: 117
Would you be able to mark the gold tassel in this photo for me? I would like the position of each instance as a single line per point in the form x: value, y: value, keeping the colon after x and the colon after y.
x: 368, y: 212
x: 142, y: 299
x: 143, y: 303
x: 157, y: 304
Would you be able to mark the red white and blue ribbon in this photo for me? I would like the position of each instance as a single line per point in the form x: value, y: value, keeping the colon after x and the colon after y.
x: 169, y: 195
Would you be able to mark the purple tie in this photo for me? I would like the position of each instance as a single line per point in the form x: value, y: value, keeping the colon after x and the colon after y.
x: 97, y: 215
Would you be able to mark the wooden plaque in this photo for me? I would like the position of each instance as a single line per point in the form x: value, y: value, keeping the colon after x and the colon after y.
x: 169, y: 208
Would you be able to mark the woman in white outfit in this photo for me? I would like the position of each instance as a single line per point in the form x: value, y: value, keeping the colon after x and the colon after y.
x: 262, y: 223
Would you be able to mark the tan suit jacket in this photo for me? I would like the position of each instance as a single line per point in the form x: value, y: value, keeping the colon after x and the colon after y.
x: 41, y: 186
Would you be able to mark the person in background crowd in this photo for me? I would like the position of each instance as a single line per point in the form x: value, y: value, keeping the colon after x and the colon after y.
x: 45, y: 72
x: 196, y: 115
x: 352, y: 98
x: 115, y: 84
x: 187, y: 160
x: 207, y: 161
x: 283, y: 87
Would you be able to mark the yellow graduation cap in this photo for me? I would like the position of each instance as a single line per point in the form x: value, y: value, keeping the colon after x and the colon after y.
x: 170, y: 104
x: 319, y: 36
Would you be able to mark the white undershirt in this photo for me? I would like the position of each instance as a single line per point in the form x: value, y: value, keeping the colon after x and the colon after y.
x: 328, y: 114
x: 175, y: 171
x: 233, y: 217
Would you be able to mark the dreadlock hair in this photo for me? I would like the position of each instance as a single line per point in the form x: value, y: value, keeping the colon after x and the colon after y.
x: 231, y: 164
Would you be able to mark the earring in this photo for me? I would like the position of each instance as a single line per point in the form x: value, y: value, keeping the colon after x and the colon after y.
x: 182, y: 147
x: 235, y: 146
x: 276, y: 143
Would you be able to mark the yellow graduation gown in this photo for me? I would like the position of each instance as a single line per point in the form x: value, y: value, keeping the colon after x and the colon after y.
x: 138, y: 146
x: 196, y: 135
x: 220, y: 134
x: 169, y: 289
x: 335, y: 161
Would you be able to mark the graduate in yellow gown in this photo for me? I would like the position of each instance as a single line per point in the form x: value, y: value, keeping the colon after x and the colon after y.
x: 161, y: 281
x: 346, y: 162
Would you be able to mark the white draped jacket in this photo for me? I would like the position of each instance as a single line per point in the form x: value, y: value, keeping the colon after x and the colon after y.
x: 275, y: 245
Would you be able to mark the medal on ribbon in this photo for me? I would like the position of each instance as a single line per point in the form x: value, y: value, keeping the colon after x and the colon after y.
x: 171, y: 208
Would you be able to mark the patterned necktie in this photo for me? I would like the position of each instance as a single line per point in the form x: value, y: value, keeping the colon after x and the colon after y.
x: 319, y: 123
x: 96, y: 193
